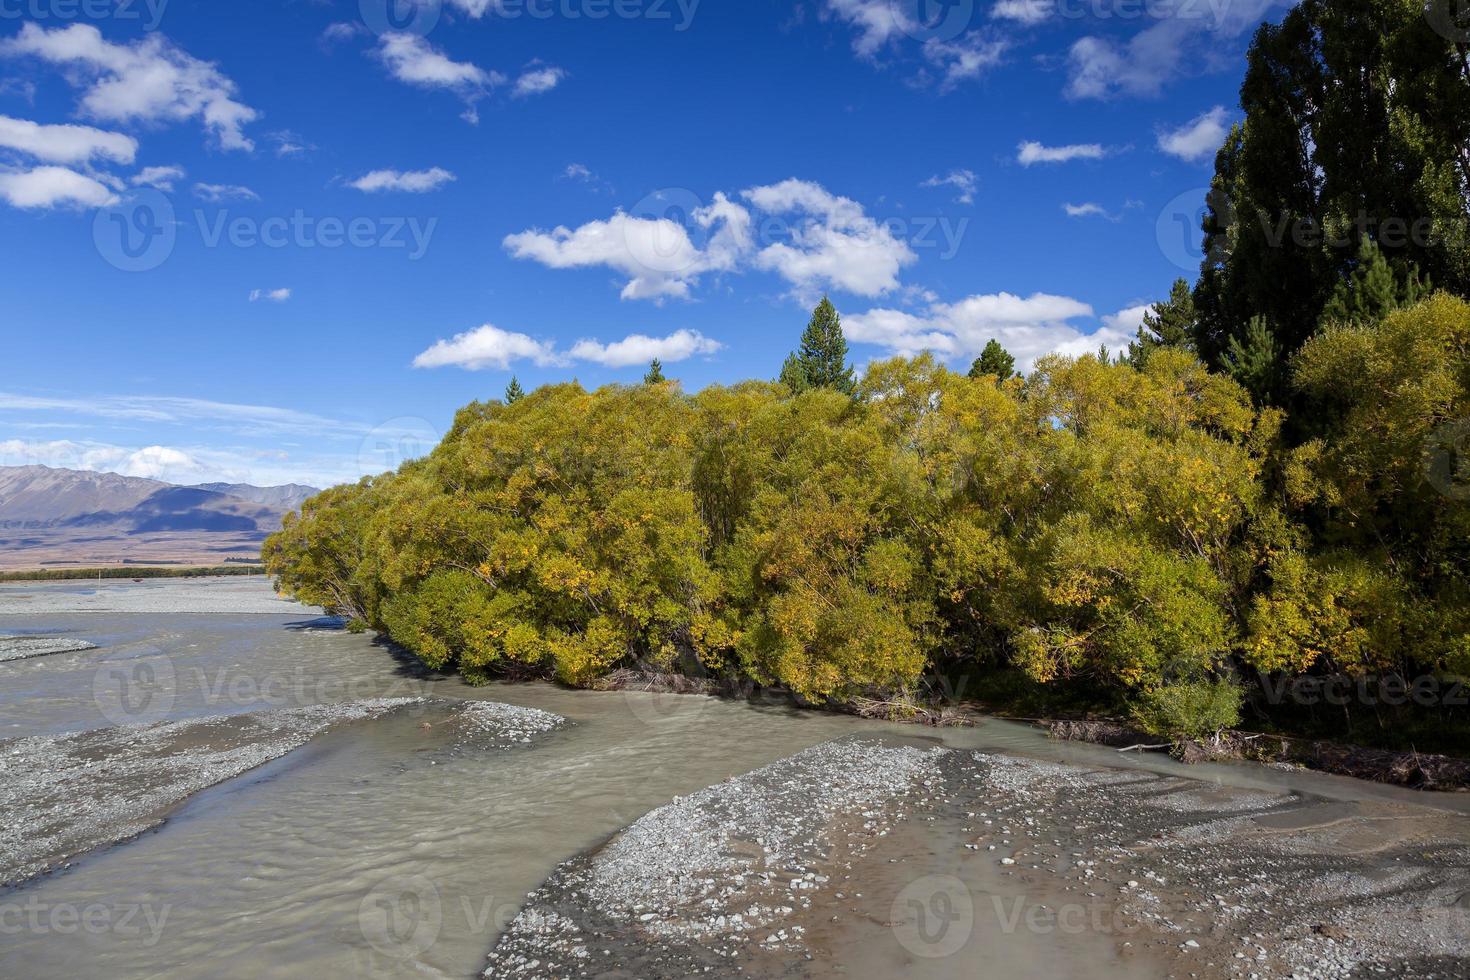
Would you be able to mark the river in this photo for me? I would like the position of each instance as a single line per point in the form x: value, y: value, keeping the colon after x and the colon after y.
x: 280, y: 871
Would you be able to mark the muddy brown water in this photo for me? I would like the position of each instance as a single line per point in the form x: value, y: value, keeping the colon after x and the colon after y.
x: 298, y: 868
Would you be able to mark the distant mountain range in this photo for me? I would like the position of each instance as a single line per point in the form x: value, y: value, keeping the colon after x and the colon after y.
x: 54, y: 518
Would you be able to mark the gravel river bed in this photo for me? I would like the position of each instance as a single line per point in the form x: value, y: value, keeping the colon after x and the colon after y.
x: 224, y: 784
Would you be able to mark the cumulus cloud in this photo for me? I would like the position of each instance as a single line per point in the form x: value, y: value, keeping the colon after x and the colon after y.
x: 1088, y: 210
x: 411, y: 181
x: 1127, y: 321
x: 640, y: 349
x: 1197, y: 139
x: 162, y: 178
x: 271, y: 295
x: 150, y: 80
x: 963, y: 181
x: 489, y: 346
x: 833, y: 242
x: 538, y: 80
x: 826, y: 242
x: 657, y: 255
x: 486, y: 346
x: 1031, y: 152
x: 66, y: 144
x: 1028, y: 327
x: 51, y: 187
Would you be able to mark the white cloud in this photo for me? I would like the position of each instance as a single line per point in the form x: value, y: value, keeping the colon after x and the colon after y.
x: 578, y: 171
x: 538, y: 80
x: 656, y: 254
x: 162, y: 178
x: 1028, y: 327
x: 1127, y: 321
x: 66, y: 144
x: 1087, y: 210
x: 881, y: 24
x: 273, y: 295
x: 640, y: 349
x: 150, y: 80
x: 411, y: 181
x: 828, y: 242
x: 215, y: 193
x: 1032, y: 152
x: 833, y: 243
x: 1027, y: 12
x: 1187, y: 38
x: 1198, y: 139
x: 414, y: 61
x: 486, y: 346
x: 49, y: 187
x: 252, y: 419
x: 963, y: 181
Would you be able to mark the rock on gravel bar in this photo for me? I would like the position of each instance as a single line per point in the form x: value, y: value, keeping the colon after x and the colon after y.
x: 25, y: 647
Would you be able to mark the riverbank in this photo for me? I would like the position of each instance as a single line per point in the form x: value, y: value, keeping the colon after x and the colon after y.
x: 873, y: 858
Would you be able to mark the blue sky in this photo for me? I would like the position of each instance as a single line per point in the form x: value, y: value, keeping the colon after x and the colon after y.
x: 280, y: 240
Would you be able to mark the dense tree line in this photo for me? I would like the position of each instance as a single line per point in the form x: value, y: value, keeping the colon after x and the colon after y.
x: 1272, y: 482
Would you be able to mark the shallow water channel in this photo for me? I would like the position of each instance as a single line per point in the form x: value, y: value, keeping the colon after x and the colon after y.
x: 295, y: 868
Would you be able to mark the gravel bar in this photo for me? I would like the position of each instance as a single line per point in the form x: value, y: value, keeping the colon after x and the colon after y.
x: 64, y: 795
x: 766, y: 875
x: 26, y: 647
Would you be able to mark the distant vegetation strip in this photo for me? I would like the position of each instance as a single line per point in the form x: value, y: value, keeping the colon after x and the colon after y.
x: 68, y: 574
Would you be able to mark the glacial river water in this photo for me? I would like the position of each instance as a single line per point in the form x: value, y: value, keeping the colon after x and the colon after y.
x: 284, y: 871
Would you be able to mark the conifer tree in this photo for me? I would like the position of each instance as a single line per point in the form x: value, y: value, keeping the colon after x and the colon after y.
x: 655, y: 373
x: 513, y: 391
x: 996, y: 360
x: 821, y: 360
x: 1372, y: 290
x: 1167, y: 324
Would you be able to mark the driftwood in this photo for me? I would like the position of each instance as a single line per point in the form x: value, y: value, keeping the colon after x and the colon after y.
x: 1411, y: 769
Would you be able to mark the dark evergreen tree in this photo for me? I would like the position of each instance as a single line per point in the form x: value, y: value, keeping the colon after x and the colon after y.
x: 513, y: 391
x: 655, y: 373
x: 1167, y: 324
x: 1373, y: 289
x: 996, y: 360
x: 1357, y: 125
x: 821, y: 360
x: 1255, y: 361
